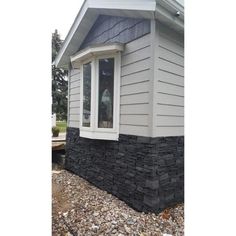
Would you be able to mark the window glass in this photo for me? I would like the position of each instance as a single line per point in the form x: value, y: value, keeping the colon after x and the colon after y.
x: 86, y: 94
x: 105, y: 93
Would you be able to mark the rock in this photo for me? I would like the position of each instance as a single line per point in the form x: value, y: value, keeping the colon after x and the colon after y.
x: 124, y: 215
x: 95, y: 214
x: 127, y: 229
x: 65, y: 214
x: 130, y: 221
x: 114, y: 222
x: 68, y: 234
x: 95, y: 228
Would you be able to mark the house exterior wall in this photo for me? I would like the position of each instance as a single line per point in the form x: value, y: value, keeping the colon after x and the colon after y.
x: 134, y: 89
x: 145, y: 167
x: 74, y: 98
x: 168, y: 109
x: 135, y: 86
x: 143, y: 112
x: 135, y: 72
x: 147, y: 173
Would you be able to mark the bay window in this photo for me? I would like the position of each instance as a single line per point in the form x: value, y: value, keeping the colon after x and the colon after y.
x: 100, y: 91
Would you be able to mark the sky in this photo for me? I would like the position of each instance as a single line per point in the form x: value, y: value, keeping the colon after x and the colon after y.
x: 64, y: 13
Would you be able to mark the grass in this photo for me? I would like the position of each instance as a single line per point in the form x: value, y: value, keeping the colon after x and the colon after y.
x: 62, y: 126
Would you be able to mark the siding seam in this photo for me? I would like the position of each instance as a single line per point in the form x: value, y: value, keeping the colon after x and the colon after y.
x: 171, y: 94
x: 171, y: 51
x: 135, y: 125
x: 135, y: 72
x: 171, y: 62
x: 164, y: 82
x: 166, y: 104
x: 169, y: 126
x: 170, y: 115
x: 171, y: 72
x: 129, y: 104
x: 144, y: 81
x: 131, y: 63
x: 139, y: 49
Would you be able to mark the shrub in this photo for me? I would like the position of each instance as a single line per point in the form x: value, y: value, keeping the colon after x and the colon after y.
x: 55, y: 131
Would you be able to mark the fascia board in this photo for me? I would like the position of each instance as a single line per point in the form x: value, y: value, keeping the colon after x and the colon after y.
x: 71, y: 32
x: 134, y: 5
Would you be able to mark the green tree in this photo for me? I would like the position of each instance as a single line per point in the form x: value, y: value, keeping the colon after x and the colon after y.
x: 59, y: 82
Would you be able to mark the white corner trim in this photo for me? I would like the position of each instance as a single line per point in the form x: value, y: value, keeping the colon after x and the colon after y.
x: 95, y: 51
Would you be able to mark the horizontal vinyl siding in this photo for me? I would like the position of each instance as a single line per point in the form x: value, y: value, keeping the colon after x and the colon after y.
x: 74, y: 99
x: 169, y: 94
x: 135, y: 86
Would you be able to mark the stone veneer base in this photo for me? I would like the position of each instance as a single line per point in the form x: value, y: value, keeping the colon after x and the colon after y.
x: 146, y: 173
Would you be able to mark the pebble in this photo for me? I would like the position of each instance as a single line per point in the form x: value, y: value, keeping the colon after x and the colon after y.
x: 130, y: 222
x: 111, y: 216
x: 95, y: 227
x: 65, y: 214
x: 68, y: 234
x: 114, y: 222
x: 127, y: 229
x: 95, y: 214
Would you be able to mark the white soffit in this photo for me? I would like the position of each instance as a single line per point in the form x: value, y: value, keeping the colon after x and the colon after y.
x: 97, y: 50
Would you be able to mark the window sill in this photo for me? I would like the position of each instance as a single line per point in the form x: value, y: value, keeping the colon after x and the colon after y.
x: 99, y: 135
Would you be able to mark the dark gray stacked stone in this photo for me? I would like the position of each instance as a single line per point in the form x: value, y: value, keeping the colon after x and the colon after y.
x: 146, y: 173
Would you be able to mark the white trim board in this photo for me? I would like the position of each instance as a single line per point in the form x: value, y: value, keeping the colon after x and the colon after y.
x: 98, y: 50
x: 93, y: 131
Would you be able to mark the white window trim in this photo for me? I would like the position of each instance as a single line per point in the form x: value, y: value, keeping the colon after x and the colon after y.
x: 93, y: 132
x: 98, y: 50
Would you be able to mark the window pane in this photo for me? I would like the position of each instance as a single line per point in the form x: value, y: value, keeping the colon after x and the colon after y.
x: 86, y: 94
x: 106, y: 90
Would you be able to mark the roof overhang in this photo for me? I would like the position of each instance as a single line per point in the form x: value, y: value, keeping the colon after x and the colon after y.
x: 96, y: 50
x: 163, y: 10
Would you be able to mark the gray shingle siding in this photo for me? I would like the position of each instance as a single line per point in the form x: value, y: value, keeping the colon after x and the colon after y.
x: 116, y: 29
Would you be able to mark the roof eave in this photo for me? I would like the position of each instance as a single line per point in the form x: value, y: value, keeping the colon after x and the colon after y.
x: 163, y: 10
x: 166, y: 13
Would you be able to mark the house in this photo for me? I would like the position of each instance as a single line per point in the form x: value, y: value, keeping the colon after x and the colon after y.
x: 126, y: 99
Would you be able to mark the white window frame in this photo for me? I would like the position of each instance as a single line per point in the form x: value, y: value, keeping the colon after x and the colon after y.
x: 93, y: 132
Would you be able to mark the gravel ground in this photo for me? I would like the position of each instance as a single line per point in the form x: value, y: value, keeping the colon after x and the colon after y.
x: 79, y: 208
